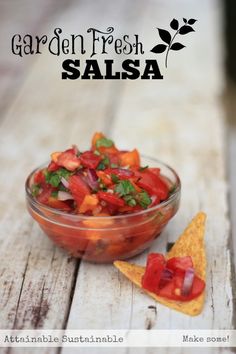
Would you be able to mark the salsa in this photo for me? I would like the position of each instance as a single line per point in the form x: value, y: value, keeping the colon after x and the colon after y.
x: 102, y: 181
x: 174, y: 279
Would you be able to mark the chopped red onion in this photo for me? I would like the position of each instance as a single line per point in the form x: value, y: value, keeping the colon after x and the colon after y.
x: 167, y: 274
x: 65, y: 182
x: 64, y: 196
x: 188, y: 281
x: 92, y: 178
x: 123, y: 172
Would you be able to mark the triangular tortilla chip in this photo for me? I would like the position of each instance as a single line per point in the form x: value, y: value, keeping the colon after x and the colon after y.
x: 190, y: 243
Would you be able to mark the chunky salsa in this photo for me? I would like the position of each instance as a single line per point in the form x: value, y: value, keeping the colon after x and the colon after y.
x: 174, y: 279
x: 102, y: 181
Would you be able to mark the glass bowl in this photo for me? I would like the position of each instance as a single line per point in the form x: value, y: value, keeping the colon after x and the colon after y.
x: 105, y: 239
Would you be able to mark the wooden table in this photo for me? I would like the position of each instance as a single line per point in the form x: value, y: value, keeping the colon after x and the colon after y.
x: 179, y: 120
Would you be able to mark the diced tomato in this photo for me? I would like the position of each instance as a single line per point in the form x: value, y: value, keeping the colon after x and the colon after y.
x: 170, y: 285
x: 152, y: 184
x: 58, y: 204
x: 39, y: 177
x: 45, y: 194
x: 155, y: 170
x: 109, y: 151
x: 182, y: 263
x: 152, y: 276
x: 104, y: 177
x: 114, y: 158
x: 111, y: 198
x: 68, y: 160
x: 137, y: 188
x: 89, y: 203
x: 173, y: 292
x: 78, y: 188
x: 53, y: 166
x: 89, y: 159
x: 130, y: 158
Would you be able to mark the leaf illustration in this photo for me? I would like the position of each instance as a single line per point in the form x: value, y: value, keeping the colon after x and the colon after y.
x: 159, y: 48
x: 186, y: 29
x: 165, y: 35
x: 177, y: 46
x: 191, y: 21
x: 184, y: 19
x: 174, y: 24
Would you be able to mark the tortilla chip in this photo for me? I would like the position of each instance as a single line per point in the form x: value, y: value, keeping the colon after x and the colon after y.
x: 190, y: 243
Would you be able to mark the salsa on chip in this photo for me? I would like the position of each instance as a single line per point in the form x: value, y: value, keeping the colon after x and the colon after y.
x: 177, y: 280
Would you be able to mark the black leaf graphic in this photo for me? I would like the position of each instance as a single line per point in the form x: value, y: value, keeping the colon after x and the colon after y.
x: 165, y: 35
x: 186, y: 29
x: 159, y: 48
x: 170, y: 40
x: 174, y: 24
x: 177, y: 46
x: 191, y: 21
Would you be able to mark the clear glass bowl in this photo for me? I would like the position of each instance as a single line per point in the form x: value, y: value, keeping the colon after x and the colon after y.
x: 105, y: 239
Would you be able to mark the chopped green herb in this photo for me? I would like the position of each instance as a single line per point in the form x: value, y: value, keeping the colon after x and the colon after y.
x: 96, y: 152
x: 63, y: 188
x: 101, y: 166
x: 35, y: 190
x: 132, y: 202
x: 54, y: 178
x: 106, y: 161
x: 102, y: 186
x: 129, y: 199
x: 143, y: 168
x: 143, y: 199
x: 62, y: 172
x: 114, y: 165
x: 54, y: 194
x: 124, y: 187
x: 114, y: 178
x: 104, y: 142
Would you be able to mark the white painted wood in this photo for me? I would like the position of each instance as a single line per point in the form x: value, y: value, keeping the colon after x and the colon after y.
x: 180, y: 121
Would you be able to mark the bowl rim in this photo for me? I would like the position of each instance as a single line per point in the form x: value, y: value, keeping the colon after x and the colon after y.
x: 81, y: 217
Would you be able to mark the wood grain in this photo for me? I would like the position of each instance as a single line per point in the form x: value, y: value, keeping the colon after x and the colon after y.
x: 180, y: 121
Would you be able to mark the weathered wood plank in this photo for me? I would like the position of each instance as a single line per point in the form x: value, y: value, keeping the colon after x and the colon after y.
x: 36, y: 285
x: 180, y: 121
x: 13, y: 19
